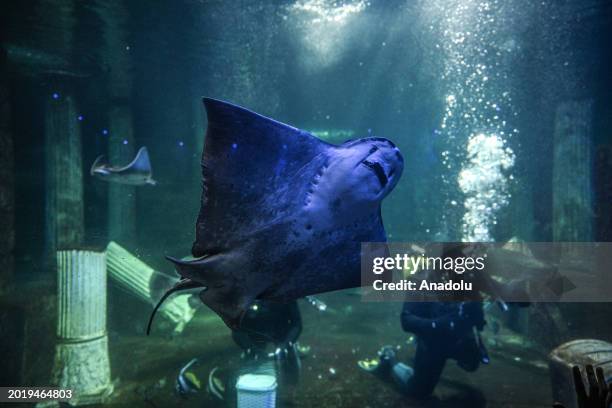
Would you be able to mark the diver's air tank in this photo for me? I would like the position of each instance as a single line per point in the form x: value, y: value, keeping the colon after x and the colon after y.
x: 256, y: 391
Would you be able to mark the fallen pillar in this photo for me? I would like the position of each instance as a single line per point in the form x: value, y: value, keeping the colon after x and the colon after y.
x: 144, y: 282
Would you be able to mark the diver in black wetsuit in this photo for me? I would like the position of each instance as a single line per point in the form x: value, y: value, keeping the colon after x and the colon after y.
x: 276, y: 324
x: 266, y: 324
x: 443, y: 331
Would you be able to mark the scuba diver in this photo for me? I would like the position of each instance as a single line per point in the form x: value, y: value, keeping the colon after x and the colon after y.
x: 444, y: 329
x: 265, y: 324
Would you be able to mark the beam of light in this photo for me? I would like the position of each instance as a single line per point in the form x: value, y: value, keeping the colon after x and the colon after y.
x: 324, y: 27
x: 325, y: 11
x: 472, y: 39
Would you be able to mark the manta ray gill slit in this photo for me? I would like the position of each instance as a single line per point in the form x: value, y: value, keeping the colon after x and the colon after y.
x: 378, y: 170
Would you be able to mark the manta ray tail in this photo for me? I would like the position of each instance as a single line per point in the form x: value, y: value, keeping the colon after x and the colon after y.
x: 183, y: 284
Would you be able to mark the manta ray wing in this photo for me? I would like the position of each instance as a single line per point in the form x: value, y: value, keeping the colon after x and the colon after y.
x: 247, y: 159
x: 283, y: 214
x: 140, y: 165
x: 340, y: 260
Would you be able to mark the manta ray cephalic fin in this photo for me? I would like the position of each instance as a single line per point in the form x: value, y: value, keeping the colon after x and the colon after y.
x: 224, y: 294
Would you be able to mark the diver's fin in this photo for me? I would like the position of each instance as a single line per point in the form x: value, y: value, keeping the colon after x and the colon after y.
x: 96, y: 164
x: 183, y: 284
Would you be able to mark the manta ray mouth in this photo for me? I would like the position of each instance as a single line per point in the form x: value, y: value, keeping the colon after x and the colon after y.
x: 378, y: 170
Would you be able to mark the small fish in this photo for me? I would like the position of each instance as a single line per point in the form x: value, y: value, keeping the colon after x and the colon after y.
x: 137, y: 173
x: 187, y: 382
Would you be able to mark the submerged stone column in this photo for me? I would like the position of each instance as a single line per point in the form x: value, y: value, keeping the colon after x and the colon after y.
x: 147, y: 284
x: 572, y: 173
x: 81, y: 354
x: 7, y: 186
x: 573, y: 201
x: 64, y: 175
x: 572, y: 192
x: 603, y: 183
x: 121, y: 198
x: 121, y: 149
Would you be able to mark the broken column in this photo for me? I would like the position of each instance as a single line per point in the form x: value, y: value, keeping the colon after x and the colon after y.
x: 81, y: 354
x: 147, y: 284
x: 597, y: 353
x: 64, y: 175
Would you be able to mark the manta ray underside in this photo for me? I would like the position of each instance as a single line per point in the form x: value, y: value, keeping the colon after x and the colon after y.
x: 282, y: 213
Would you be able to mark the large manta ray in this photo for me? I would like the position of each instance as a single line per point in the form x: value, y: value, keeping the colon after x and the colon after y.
x: 283, y: 213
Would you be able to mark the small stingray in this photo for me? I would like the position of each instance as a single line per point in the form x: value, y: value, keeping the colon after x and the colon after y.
x: 283, y: 213
x: 137, y: 173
